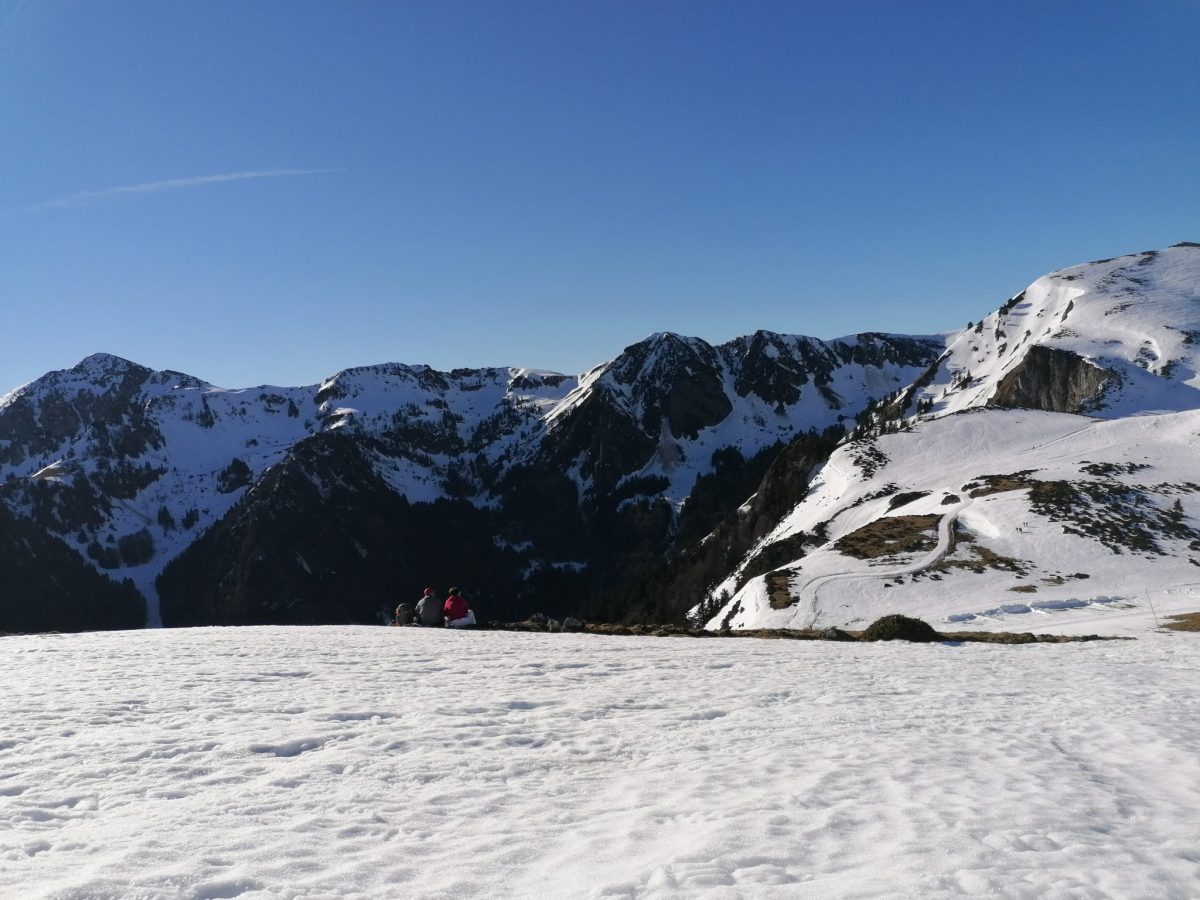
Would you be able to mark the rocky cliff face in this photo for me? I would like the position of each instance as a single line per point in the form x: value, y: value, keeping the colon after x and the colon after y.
x: 1052, y: 380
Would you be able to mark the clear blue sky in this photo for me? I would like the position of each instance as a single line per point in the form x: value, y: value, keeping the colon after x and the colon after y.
x: 542, y: 183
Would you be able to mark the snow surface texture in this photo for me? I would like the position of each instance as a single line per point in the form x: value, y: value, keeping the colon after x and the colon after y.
x: 371, y: 762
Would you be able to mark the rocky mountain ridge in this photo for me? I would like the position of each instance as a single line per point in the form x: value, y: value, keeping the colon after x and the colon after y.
x: 1007, y: 463
x: 514, y: 478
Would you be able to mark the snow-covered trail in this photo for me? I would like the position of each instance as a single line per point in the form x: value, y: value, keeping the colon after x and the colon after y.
x: 380, y: 763
x: 808, y: 612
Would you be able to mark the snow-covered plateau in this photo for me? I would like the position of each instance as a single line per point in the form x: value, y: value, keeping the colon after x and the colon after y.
x: 384, y: 763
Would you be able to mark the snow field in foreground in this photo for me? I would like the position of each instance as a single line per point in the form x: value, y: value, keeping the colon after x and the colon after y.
x: 375, y: 762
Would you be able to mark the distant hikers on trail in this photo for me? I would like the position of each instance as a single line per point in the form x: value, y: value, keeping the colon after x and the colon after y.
x: 432, y: 612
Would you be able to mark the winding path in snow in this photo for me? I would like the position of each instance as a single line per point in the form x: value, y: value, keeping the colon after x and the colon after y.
x: 810, y: 602
x: 809, y: 609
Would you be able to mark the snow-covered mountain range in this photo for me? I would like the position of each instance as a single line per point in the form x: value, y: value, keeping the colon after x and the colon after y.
x: 1042, y: 473
x: 1034, y: 463
x: 274, y: 503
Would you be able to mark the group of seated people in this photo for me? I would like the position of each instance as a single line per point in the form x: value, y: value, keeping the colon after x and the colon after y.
x: 430, y: 611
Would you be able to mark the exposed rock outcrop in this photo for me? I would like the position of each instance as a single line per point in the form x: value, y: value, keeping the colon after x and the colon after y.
x: 1051, y: 380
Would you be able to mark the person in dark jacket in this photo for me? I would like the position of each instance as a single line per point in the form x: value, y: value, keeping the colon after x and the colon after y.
x: 458, y: 613
x: 429, y: 609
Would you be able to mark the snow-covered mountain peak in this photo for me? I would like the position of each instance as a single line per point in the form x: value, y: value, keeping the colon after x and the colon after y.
x: 97, y: 373
x: 105, y: 364
x: 662, y: 355
x: 1109, y: 338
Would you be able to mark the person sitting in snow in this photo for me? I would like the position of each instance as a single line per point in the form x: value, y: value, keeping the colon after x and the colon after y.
x: 458, y: 614
x: 404, y: 614
x: 429, y: 609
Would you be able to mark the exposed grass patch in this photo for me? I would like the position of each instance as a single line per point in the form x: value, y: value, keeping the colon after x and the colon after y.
x: 890, y: 536
x: 986, y: 485
x: 1108, y: 469
x: 978, y: 558
x: 1185, y: 622
x: 779, y: 590
x: 900, y: 628
x: 796, y: 634
x: 886, y: 491
x: 1025, y: 637
x: 1119, y: 516
x: 777, y: 554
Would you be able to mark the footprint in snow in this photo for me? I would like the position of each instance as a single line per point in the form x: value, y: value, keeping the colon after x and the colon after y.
x: 289, y: 748
x: 225, y: 890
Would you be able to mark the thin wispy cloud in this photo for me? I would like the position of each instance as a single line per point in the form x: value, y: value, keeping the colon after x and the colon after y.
x: 86, y: 198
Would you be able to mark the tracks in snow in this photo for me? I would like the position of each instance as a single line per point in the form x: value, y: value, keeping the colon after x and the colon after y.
x: 810, y: 597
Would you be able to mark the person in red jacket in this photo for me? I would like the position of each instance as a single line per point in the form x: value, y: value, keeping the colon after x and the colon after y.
x: 458, y: 614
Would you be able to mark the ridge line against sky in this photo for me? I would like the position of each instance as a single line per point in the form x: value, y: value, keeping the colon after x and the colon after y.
x: 539, y: 184
x: 82, y: 198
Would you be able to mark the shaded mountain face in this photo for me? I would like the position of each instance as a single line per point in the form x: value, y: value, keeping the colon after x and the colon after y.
x: 332, y: 502
x: 46, y: 586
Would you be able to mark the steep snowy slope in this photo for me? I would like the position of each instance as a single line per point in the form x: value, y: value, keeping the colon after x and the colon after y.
x: 1111, y: 338
x: 1002, y: 518
x: 1030, y: 517
x: 666, y: 404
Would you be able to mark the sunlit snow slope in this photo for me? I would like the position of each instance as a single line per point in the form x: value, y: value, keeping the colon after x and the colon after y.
x: 1079, y: 511
x: 1133, y: 321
